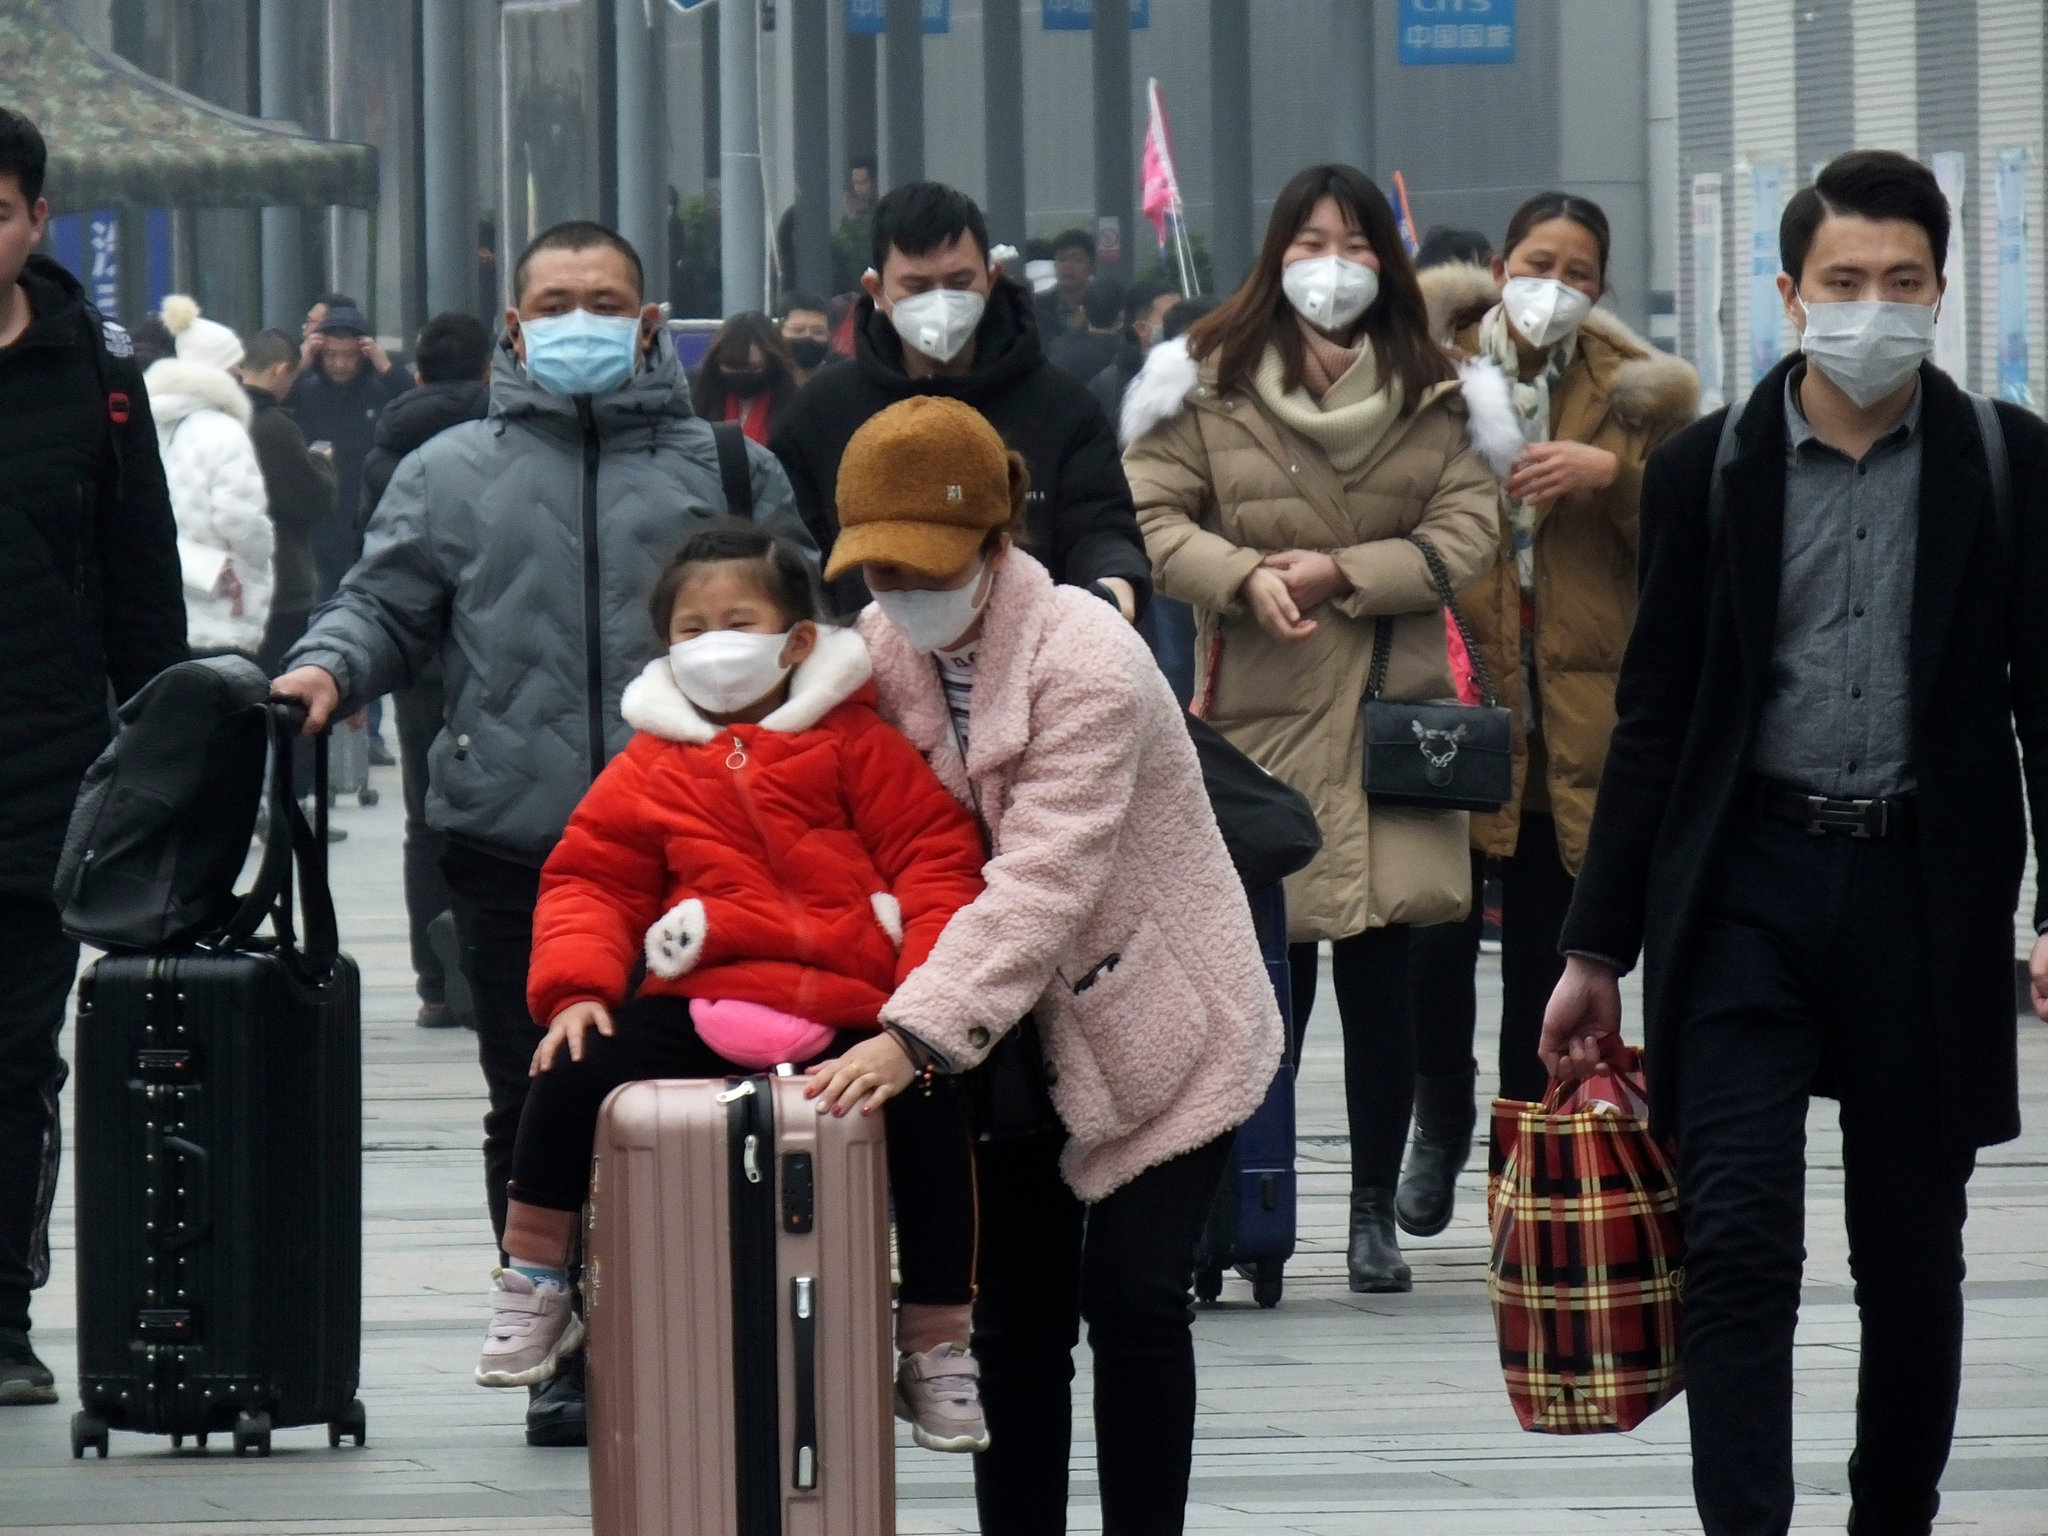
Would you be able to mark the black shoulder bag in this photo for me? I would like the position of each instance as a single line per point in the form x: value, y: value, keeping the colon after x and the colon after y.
x: 1439, y: 757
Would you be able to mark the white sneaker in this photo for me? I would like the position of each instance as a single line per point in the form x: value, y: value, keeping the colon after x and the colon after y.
x: 939, y: 1393
x: 532, y: 1328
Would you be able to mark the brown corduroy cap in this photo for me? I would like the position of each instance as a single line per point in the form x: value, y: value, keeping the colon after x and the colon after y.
x: 921, y: 484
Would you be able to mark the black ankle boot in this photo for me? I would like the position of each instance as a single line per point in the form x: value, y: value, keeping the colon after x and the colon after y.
x: 1444, y: 1117
x: 1375, y: 1258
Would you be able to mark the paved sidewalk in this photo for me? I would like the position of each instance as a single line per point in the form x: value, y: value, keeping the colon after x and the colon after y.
x: 1334, y: 1415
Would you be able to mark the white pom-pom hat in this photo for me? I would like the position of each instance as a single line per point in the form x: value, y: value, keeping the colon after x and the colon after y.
x: 199, y: 340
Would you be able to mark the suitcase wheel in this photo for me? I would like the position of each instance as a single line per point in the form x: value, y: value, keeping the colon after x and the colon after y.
x: 1266, y: 1282
x: 367, y: 796
x: 252, y: 1433
x: 177, y: 1440
x: 1208, y: 1284
x: 88, y: 1431
x: 355, y: 1424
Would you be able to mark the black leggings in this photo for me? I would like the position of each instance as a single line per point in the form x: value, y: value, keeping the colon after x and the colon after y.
x: 1124, y: 1264
x: 931, y: 1154
x: 1536, y: 892
x: 1370, y: 971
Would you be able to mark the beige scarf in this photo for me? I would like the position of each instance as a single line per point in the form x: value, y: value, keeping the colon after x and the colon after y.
x: 1350, y: 419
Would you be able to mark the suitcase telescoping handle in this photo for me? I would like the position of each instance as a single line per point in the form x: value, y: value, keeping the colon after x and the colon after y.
x: 292, y: 846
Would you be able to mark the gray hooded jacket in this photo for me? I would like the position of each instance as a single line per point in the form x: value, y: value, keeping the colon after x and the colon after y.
x: 521, y: 550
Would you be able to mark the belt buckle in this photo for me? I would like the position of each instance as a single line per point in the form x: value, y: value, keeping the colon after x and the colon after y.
x: 1851, y: 816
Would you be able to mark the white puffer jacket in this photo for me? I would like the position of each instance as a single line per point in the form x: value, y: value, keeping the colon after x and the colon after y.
x: 202, y: 430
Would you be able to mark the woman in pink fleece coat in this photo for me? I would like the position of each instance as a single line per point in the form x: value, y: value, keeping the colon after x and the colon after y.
x: 1112, y: 916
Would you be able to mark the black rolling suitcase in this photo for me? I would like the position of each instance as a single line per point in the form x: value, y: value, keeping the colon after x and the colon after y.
x: 218, y: 1165
x: 1251, y: 1225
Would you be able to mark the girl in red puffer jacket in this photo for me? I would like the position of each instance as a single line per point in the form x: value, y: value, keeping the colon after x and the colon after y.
x: 781, y: 860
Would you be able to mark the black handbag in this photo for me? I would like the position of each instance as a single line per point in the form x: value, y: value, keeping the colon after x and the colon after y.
x: 1267, y: 826
x: 1439, y: 757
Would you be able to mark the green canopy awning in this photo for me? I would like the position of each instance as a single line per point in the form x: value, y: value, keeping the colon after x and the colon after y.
x: 119, y: 136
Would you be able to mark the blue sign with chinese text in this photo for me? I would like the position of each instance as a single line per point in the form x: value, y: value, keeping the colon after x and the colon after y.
x: 870, y: 18
x: 1079, y: 15
x: 1457, y: 31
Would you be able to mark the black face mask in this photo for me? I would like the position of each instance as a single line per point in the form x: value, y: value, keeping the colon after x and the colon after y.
x: 809, y: 352
x: 745, y: 383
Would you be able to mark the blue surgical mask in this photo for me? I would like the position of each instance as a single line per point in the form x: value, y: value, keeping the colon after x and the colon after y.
x: 579, y: 353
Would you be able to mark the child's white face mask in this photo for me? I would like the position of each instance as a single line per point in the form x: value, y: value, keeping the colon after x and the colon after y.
x: 726, y: 670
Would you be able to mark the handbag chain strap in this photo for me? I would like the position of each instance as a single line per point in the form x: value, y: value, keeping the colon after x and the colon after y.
x: 1383, y: 631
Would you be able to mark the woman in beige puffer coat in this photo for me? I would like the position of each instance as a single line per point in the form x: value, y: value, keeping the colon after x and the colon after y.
x: 1281, y: 459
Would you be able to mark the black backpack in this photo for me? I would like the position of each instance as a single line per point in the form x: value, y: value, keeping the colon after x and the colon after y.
x: 163, y: 822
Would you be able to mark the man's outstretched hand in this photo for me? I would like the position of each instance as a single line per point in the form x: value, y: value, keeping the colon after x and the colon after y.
x: 313, y: 687
x: 1583, y: 1011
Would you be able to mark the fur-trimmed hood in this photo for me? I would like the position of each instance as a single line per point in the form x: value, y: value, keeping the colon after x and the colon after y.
x: 1170, y: 377
x: 178, y: 387
x: 1645, y: 385
x: 833, y: 673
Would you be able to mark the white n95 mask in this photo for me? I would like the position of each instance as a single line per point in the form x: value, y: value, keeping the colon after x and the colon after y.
x: 1867, y: 346
x: 1330, y: 292
x: 939, y: 321
x: 1544, y: 310
x: 726, y: 670
x: 931, y: 620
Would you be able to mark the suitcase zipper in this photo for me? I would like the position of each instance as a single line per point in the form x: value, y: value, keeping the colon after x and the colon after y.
x: 757, y: 1408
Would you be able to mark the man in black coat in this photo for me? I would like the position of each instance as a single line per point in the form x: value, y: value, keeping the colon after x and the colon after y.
x: 974, y: 339
x: 336, y: 401
x: 452, y: 363
x: 298, y: 485
x: 1812, y: 826
x: 89, y: 566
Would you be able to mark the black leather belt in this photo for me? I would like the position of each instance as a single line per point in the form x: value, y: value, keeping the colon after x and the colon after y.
x: 1893, y: 816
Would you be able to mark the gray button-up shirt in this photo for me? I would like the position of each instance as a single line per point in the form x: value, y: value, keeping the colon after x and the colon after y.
x: 1839, y: 718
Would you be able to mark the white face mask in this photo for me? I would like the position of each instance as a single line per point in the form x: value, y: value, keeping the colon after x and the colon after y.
x: 724, y: 671
x: 1867, y: 346
x: 1330, y: 292
x: 939, y: 321
x: 932, y: 621
x: 1544, y: 310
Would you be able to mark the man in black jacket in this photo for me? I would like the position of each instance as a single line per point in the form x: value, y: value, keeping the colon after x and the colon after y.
x: 1812, y: 826
x: 297, y: 483
x: 336, y: 401
x: 971, y: 335
x: 89, y: 565
x: 452, y: 363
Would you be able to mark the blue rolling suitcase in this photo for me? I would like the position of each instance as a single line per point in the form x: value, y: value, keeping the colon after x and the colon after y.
x: 1251, y: 1226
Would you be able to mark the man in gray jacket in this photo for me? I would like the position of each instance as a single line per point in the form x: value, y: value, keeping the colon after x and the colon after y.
x: 520, y: 550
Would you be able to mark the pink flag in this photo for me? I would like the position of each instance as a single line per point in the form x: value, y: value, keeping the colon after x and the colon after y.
x: 1161, y: 187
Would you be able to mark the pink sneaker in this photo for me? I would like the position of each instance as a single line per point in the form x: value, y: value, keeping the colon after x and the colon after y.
x: 939, y: 1393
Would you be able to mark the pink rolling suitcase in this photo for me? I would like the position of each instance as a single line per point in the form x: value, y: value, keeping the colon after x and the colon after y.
x: 737, y: 1277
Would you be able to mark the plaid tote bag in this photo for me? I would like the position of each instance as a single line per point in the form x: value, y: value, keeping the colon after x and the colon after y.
x: 1586, y: 1275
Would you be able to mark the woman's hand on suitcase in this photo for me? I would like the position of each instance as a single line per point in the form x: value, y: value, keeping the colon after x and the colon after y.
x: 868, y: 1076
x: 568, y: 1027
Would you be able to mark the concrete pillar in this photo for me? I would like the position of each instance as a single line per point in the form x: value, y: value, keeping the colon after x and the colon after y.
x: 862, y: 137
x: 904, y: 46
x: 1661, y: 78
x: 743, y: 239
x: 1002, y: 77
x: 637, y: 134
x: 451, y: 250
x: 811, y: 111
x: 281, y: 241
x: 1114, y: 148
x: 1351, y: 103
x: 1230, y: 126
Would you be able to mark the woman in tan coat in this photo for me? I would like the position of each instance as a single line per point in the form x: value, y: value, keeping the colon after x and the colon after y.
x: 1552, y: 617
x: 1281, y: 458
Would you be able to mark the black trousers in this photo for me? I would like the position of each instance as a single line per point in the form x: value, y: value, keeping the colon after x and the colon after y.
x: 1126, y: 1266
x: 1536, y: 893
x: 931, y: 1151
x: 493, y: 900
x: 1370, y: 972
x: 37, y: 963
x: 1811, y: 975
x: 426, y: 888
